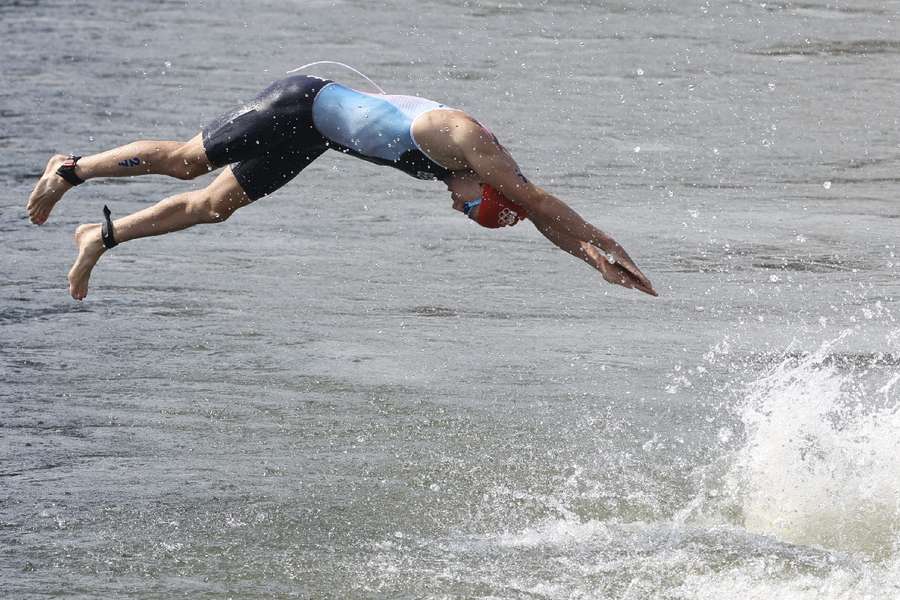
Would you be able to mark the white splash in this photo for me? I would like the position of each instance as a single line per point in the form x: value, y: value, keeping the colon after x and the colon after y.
x: 821, y: 461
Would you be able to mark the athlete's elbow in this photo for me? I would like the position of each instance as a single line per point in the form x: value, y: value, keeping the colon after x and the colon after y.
x: 538, y: 207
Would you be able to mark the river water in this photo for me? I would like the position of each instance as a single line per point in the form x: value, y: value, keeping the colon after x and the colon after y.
x: 348, y: 390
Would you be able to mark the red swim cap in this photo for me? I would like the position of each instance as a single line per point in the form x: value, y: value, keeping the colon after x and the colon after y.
x: 494, y: 209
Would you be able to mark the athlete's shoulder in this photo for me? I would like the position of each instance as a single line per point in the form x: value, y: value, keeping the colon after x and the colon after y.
x: 469, y: 132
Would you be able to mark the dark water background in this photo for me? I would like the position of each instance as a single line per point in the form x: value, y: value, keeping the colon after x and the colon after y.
x: 350, y: 390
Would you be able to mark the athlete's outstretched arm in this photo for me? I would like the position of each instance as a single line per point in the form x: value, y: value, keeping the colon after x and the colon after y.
x: 553, y: 217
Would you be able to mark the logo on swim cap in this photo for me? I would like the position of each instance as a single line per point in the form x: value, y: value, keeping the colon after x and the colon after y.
x: 493, y: 209
x: 507, y: 217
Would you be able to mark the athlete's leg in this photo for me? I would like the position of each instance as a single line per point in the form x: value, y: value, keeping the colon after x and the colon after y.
x: 184, y: 160
x: 270, y: 140
x: 213, y: 204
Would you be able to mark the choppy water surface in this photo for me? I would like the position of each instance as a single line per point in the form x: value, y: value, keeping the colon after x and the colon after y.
x: 349, y: 390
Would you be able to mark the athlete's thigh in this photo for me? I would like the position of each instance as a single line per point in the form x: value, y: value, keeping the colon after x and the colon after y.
x: 226, y: 194
x: 263, y: 175
x: 192, y: 153
x: 194, y: 147
x: 280, y: 115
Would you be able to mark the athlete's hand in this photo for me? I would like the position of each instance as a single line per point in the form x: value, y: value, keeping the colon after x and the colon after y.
x: 608, y: 257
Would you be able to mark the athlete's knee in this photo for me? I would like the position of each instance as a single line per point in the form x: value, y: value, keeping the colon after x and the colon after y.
x: 186, y: 169
x: 188, y: 161
x: 208, y: 208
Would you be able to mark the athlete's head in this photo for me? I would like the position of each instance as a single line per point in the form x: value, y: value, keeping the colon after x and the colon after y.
x: 482, y: 203
x: 463, y: 186
x: 492, y: 209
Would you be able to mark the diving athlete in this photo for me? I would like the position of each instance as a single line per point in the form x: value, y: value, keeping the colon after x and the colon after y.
x: 269, y: 140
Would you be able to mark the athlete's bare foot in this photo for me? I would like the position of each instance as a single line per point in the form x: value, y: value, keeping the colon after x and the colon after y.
x: 90, y: 249
x: 49, y: 189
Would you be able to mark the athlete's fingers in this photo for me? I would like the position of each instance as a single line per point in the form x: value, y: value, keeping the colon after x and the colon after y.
x: 647, y: 289
x: 618, y: 255
x: 630, y: 281
x: 641, y: 280
x: 617, y: 252
x: 617, y: 272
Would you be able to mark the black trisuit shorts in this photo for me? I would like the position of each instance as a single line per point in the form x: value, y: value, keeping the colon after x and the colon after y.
x: 269, y: 139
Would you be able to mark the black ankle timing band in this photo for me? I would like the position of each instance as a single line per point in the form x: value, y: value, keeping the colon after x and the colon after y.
x: 106, y: 232
x: 67, y: 170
